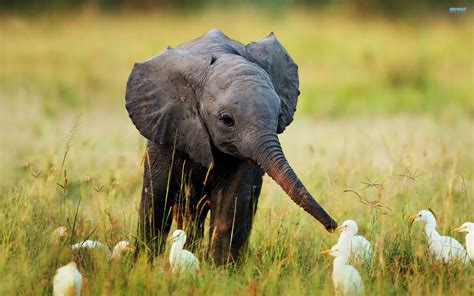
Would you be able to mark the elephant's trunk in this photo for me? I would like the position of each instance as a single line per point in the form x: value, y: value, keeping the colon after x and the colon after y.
x: 271, y: 159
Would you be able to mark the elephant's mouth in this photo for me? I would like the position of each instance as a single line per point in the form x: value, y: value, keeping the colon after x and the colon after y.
x: 229, y: 147
x: 271, y: 159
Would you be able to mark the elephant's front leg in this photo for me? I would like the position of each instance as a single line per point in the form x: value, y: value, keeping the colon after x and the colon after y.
x: 190, y: 213
x: 233, y: 206
x: 158, y: 196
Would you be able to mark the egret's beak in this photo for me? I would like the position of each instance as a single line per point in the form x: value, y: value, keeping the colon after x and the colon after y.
x: 131, y: 248
x: 341, y: 227
x: 325, y: 251
x: 170, y: 238
x: 457, y: 229
x: 411, y: 219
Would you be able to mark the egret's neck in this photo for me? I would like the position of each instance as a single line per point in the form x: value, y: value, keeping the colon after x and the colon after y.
x: 117, y: 252
x: 176, y: 248
x: 339, y: 262
x: 345, y: 237
x: 470, y: 236
x: 430, y: 229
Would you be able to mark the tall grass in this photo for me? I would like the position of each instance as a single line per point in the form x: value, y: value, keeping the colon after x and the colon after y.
x: 282, y: 257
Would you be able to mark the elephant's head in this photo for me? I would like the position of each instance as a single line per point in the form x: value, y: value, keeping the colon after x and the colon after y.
x: 214, y: 93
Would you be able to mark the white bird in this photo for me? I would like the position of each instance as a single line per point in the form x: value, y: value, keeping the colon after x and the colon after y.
x: 92, y: 244
x: 67, y: 281
x: 443, y: 248
x: 360, y: 249
x: 345, y: 277
x: 59, y: 233
x: 116, y: 253
x: 119, y: 248
x: 469, y: 228
x: 181, y: 260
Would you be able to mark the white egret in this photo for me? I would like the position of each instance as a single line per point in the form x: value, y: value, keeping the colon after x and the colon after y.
x: 345, y: 277
x: 67, y: 281
x: 119, y: 248
x: 92, y: 244
x: 116, y: 253
x: 60, y: 231
x: 181, y: 260
x: 358, y: 246
x: 443, y: 248
x: 59, y: 234
x: 469, y: 228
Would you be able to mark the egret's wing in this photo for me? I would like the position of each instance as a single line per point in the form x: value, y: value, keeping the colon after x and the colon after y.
x: 360, y: 242
x: 91, y: 244
x: 436, y: 248
x: 447, y: 249
x: 361, y: 248
x: 190, y: 259
x: 453, y: 246
x: 353, y: 282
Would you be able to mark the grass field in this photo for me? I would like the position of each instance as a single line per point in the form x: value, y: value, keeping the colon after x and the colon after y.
x: 380, y: 99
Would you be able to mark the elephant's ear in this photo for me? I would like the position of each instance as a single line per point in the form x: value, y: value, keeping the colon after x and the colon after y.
x: 272, y: 56
x: 161, y: 101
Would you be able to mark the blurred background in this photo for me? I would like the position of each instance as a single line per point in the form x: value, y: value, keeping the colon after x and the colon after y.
x: 357, y: 59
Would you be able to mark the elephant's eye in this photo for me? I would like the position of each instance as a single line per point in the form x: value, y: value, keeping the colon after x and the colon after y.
x: 227, y: 119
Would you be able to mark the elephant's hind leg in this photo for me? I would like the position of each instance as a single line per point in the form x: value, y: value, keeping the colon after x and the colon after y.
x: 191, y: 207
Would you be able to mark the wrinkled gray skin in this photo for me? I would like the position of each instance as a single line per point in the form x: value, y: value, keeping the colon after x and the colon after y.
x: 220, y: 104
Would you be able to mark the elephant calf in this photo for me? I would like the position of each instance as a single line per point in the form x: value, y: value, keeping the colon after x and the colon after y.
x: 211, y: 110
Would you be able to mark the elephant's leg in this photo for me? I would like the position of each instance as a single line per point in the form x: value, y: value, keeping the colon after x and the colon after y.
x: 233, y: 204
x: 198, y: 214
x: 158, y: 196
x: 192, y: 205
